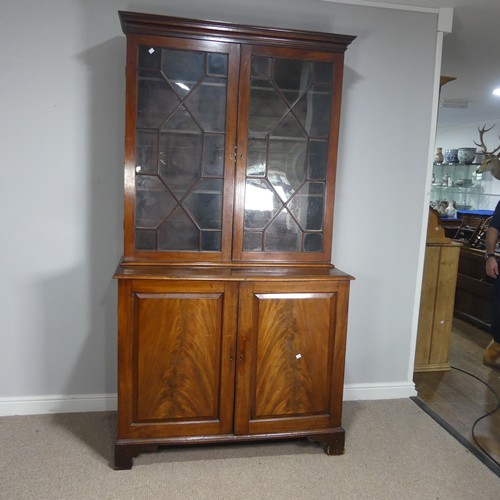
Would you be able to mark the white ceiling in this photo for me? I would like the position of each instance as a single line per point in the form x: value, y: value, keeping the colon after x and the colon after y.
x: 471, y: 53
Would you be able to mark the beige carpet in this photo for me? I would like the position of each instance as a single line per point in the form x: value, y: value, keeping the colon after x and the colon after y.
x: 393, y: 451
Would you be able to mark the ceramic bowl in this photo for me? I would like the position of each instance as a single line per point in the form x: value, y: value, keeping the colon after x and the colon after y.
x: 451, y: 155
x: 466, y: 155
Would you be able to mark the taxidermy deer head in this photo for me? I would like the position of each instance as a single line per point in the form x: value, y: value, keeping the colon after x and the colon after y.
x: 491, y: 162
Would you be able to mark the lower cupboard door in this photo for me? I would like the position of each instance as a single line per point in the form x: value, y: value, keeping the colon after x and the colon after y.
x: 291, y: 349
x: 176, y: 359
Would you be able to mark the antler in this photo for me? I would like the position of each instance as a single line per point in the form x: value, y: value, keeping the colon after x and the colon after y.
x: 482, y: 145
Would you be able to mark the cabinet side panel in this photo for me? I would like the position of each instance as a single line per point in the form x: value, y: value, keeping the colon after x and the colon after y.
x: 427, y: 302
x: 445, y: 298
x: 177, y: 344
x: 124, y: 358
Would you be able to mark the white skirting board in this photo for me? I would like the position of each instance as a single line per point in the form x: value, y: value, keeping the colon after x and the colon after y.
x: 392, y: 390
x: 39, y: 405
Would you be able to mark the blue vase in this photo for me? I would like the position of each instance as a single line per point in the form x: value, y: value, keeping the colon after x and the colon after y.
x: 451, y: 155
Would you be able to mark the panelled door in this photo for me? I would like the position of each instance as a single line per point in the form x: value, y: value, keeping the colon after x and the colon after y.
x: 176, y: 350
x: 291, y: 340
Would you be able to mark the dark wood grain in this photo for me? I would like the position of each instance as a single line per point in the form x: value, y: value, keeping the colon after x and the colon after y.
x: 176, y: 358
x: 291, y: 348
x: 177, y: 340
x: 133, y: 22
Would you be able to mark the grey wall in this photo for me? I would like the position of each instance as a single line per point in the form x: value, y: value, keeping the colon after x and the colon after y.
x: 62, y: 91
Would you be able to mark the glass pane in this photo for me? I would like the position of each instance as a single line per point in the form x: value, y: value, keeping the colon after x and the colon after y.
x: 286, y: 166
x: 183, y: 68
x: 146, y: 152
x: 145, y: 239
x: 155, y: 102
x: 217, y: 64
x: 211, y: 241
x: 311, y: 108
x: 256, y: 157
x: 292, y: 77
x: 178, y: 232
x: 266, y: 107
x: 308, y: 206
x: 207, y: 104
x: 313, y: 242
x: 323, y: 72
x: 289, y: 127
x: 181, y: 120
x: 213, y: 155
x: 260, y: 204
x: 283, y: 235
x: 205, y: 204
x: 252, y: 242
x: 318, y: 157
x: 149, y: 57
x: 281, y: 184
x: 261, y: 67
x: 182, y: 167
x: 153, y: 201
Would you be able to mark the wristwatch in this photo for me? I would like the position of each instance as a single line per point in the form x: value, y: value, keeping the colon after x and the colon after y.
x: 488, y: 255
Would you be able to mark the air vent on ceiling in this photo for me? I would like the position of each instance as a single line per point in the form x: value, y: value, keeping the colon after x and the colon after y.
x: 454, y: 103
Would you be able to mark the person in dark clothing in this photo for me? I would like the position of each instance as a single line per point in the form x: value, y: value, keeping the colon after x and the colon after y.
x: 491, y: 355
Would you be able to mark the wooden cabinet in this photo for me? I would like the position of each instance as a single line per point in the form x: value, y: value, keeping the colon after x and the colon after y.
x: 436, y: 307
x: 232, y: 320
x: 474, y: 289
x: 220, y: 355
x: 437, y: 299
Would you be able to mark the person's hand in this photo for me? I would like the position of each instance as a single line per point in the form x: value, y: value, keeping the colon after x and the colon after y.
x: 492, y: 267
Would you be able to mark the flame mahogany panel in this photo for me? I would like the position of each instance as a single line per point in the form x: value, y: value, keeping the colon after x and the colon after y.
x: 177, y: 340
x: 293, y: 348
x: 291, y: 344
x: 176, y: 362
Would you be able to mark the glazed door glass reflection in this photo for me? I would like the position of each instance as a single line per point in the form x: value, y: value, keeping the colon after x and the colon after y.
x: 287, y: 154
x: 181, y: 109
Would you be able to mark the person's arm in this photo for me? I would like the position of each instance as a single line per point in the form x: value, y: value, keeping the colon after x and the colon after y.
x: 491, y: 262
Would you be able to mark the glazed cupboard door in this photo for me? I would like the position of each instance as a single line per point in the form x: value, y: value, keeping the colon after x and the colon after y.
x: 176, y: 358
x: 291, y: 346
x: 287, y: 146
x: 179, y: 149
